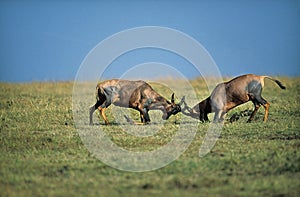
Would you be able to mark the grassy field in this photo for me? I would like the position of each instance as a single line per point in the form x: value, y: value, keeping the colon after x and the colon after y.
x: 43, y: 155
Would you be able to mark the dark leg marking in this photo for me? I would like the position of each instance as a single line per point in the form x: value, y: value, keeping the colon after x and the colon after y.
x: 256, y: 107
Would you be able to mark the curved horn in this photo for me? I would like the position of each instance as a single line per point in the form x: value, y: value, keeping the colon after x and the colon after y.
x: 182, y: 101
x: 172, y: 98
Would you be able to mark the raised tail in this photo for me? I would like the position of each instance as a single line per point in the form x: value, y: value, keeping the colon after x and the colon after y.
x: 276, y: 81
x: 100, y: 93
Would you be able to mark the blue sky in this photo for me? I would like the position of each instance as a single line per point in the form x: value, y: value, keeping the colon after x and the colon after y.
x: 48, y: 40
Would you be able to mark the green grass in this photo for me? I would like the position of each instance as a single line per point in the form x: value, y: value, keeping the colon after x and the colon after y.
x: 43, y: 155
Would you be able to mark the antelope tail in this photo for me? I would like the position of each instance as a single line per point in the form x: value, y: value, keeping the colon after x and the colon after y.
x: 276, y: 81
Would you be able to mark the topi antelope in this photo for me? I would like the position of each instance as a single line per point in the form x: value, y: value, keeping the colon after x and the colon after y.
x: 137, y: 95
x: 230, y: 94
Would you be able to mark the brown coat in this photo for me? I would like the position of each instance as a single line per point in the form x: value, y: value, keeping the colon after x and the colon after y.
x: 233, y: 93
x: 137, y: 95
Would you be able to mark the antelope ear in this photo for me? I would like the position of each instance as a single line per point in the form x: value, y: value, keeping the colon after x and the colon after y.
x: 172, y: 98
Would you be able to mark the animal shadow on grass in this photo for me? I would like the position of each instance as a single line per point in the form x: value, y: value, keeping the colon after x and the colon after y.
x: 237, y: 115
x: 234, y: 118
x: 130, y: 121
